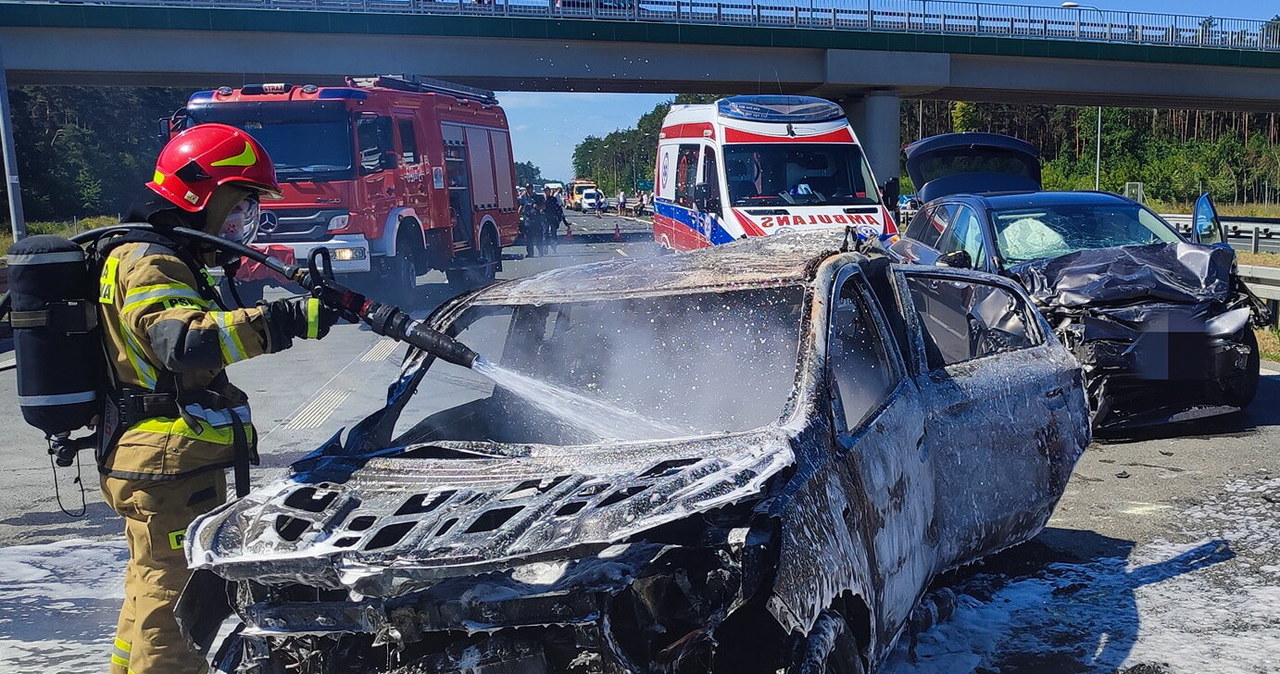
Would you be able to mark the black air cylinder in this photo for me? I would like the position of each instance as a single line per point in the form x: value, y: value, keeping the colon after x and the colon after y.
x: 56, y: 339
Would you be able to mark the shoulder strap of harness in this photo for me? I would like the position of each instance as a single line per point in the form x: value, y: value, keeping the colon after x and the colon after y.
x: 171, y: 245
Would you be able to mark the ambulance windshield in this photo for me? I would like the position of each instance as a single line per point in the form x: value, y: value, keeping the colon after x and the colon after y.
x: 798, y: 174
x: 671, y: 366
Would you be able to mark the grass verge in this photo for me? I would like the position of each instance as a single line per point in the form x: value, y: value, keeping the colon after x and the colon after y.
x: 1269, y: 344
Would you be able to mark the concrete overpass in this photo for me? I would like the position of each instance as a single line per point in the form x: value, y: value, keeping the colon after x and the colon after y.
x: 866, y: 58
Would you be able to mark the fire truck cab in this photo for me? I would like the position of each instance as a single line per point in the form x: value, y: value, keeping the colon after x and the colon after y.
x: 756, y: 165
x: 396, y: 175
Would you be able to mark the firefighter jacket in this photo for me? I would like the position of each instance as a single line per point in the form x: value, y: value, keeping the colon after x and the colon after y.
x: 164, y: 335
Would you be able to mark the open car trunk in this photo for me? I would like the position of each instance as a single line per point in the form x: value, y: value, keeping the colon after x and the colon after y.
x: 951, y: 163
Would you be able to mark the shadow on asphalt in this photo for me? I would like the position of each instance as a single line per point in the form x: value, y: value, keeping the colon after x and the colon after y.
x: 98, y: 519
x: 1069, y: 597
x: 1262, y: 412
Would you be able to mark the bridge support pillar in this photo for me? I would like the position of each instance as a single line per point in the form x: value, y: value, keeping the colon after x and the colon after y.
x: 12, y: 189
x: 875, y: 118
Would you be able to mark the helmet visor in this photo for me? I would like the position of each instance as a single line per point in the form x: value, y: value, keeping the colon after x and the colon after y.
x: 241, y: 224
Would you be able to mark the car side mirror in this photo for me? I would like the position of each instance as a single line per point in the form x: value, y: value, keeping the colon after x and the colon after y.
x: 1206, y: 227
x: 705, y: 199
x: 890, y: 192
x: 960, y: 259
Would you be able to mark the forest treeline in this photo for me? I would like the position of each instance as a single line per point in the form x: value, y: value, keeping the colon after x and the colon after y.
x: 87, y: 150
x: 1176, y: 154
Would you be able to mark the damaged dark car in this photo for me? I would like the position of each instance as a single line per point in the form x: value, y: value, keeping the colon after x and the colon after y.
x: 1161, y: 323
x: 749, y: 458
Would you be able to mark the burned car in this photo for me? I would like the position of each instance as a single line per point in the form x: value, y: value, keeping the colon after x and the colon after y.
x: 1141, y: 306
x: 748, y: 458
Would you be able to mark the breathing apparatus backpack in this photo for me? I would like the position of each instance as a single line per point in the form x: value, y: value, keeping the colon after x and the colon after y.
x: 57, y: 342
x: 64, y: 380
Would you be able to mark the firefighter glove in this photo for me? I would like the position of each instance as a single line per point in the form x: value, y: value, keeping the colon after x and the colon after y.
x: 301, y: 317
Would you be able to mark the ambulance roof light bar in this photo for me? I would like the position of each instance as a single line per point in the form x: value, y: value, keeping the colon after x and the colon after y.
x: 427, y: 85
x: 798, y: 109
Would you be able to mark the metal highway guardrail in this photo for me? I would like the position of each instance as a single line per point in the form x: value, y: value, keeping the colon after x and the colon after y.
x: 947, y: 17
x: 1261, y: 233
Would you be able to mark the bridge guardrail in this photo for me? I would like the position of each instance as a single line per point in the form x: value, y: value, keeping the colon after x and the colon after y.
x: 951, y: 17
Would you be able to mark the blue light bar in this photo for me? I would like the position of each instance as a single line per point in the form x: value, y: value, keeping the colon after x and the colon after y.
x: 353, y: 94
x: 803, y: 109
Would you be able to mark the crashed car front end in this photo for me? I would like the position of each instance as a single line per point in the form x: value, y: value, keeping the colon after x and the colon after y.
x: 1139, y: 318
x: 519, y: 560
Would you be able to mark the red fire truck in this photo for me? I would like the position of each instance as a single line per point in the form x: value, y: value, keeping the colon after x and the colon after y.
x: 396, y: 175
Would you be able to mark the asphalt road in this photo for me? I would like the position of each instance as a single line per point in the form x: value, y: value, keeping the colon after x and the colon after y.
x: 1163, y: 556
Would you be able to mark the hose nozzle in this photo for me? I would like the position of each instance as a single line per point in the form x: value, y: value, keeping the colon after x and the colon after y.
x: 392, y: 322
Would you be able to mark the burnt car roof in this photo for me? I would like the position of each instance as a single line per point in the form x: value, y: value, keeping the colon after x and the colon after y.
x: 767, y: 261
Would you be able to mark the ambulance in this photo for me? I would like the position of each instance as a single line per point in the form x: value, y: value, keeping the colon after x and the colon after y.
x: 756, y: 165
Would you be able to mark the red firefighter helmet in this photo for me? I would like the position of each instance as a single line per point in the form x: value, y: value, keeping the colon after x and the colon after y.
x: 198, y: 160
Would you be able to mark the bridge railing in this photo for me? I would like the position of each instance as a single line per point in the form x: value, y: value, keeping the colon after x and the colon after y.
x: 947, y: 17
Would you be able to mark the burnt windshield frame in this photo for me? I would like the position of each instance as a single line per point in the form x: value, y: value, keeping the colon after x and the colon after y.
x: 544, y: 341
x: 741, y: 165
x: 290, y: 166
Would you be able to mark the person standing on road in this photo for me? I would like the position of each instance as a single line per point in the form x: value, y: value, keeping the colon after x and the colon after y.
x: 553, y: 215
x: 531, y: 224
x: 622, y: 201
x: 174, y: 422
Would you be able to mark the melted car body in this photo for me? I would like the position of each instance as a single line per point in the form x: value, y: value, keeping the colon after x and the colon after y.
x: 805, y: 437
x: 1138, y: 304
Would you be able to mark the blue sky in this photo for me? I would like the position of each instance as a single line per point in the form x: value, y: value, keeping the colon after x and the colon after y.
x: 546, y: 127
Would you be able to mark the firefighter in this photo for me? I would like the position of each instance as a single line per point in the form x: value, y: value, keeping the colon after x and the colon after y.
x: 531, y: 223
x: 175, y: 422
x: 553, y: 215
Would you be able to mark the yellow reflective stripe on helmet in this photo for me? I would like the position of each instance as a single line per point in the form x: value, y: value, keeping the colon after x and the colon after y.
x: 157, y: 177
x: 228, y: 337
x: 146, y: 373
x: 313, y: 318
x: 224, y: 435
x: 245, y: 158
x: 145, y: 295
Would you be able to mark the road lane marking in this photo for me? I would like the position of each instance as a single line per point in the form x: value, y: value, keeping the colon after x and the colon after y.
x: 620, y: 252
x: 380, y: 351
x: 318, y: 411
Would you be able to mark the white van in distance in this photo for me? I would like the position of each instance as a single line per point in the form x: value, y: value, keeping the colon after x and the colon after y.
x: 756, y: 165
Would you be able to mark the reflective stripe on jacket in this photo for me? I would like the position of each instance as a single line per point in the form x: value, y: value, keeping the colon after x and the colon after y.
x: 162, y: 334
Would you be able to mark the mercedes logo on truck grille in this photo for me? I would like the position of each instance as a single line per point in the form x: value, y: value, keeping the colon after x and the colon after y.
x: 269, y: 222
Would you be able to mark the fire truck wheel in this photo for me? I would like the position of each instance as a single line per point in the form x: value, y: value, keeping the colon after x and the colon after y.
x: 399, y: 282
x: 480, y: 269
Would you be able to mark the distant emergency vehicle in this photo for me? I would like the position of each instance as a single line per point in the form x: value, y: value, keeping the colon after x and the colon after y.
x: 396, y: 175
x: 573, y: 195
x: 755, y: 165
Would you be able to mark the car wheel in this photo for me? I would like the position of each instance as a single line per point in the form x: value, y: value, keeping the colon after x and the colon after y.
x: 830, y: 648
x: 1240, y: 387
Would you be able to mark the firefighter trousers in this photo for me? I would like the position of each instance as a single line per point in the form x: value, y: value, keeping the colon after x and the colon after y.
x: 156, y: 515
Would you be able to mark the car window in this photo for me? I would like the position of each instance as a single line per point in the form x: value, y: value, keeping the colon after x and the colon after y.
x: 862, y: 373
x: 964, y: 233
x: 1024, y: 234
x: 929, y: 225
x: 962, y: 319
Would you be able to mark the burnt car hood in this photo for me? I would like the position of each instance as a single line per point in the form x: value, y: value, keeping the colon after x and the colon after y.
x: 952, y: 163
x: 388, y: 525
x: 1184, y: 273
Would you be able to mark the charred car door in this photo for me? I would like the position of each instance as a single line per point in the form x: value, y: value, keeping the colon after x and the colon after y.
x: 1001, y: 404
x: 888, y: 486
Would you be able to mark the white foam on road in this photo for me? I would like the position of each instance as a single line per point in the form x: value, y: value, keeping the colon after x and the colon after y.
x: 1206, y: 606
x: 58, y: 605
